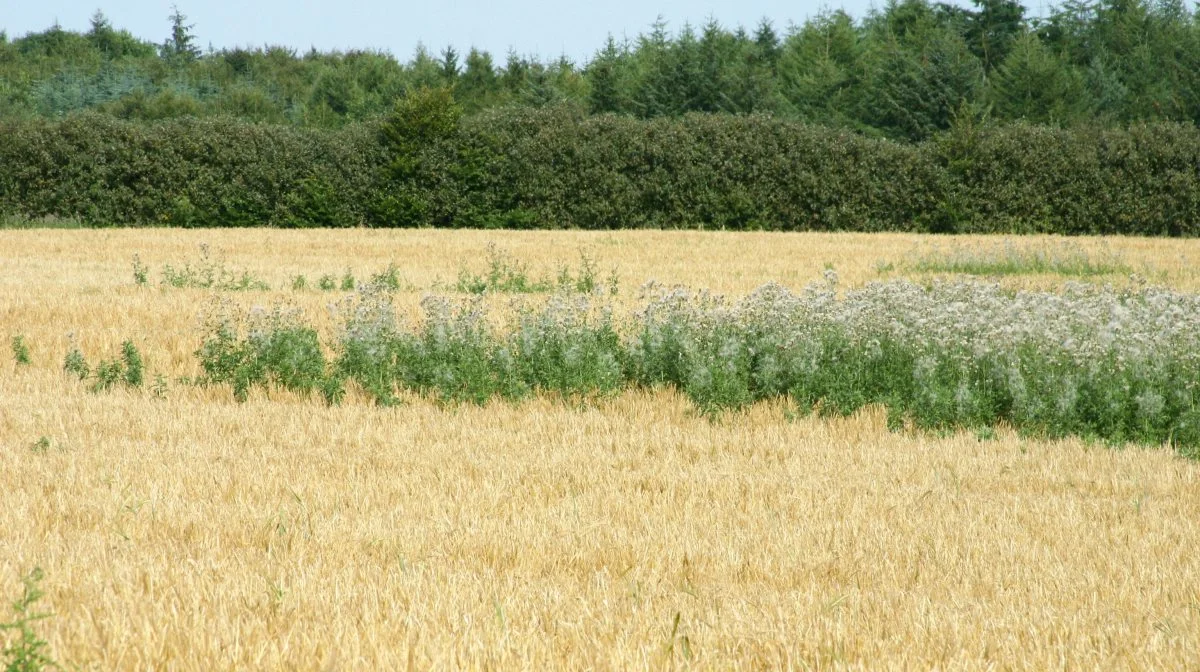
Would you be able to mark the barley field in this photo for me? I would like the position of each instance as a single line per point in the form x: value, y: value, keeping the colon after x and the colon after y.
x: 177, y: 528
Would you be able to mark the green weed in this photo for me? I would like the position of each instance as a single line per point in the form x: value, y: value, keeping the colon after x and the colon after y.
x: 389, y: 278
x: 507, y: 275
x: 27, y: 652
x: 207, y: 273
x: 75, y: 363
x: 1066, y: 259
x: 20, y: 350
x: 126, y: 369
x: 141, y: 272
x: 262, y: 350
x: 159, y: 390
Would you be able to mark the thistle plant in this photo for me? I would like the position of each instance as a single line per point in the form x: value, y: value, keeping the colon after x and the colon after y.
x: 505, y: 274
x: 1065, y: 259
x: 20, y: 350
x: 569, y: 346
x: 263, y: 349
x: 1116, y: 365
x: 141, y: 272
x: 74, y: 363
x: 127, y: 369
x: 388, y: 278
x: 205, y: 273
x: 27, y: 651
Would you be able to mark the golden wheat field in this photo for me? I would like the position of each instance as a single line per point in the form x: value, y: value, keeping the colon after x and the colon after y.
x: 191, y: 532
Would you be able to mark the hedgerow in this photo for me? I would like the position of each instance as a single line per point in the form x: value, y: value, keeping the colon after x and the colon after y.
x: 559, y: 168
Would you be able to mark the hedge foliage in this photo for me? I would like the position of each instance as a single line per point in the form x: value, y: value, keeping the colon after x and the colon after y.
x: 560, y: 168
x: 186, y: 172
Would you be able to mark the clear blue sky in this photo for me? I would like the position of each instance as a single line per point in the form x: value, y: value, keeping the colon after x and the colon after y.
x: 538, y: 27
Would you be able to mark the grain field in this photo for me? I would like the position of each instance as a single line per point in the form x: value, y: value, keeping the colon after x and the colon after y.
x: 182, y: 530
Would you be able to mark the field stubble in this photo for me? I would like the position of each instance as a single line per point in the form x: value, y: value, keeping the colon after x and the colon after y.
x: 629, y: 532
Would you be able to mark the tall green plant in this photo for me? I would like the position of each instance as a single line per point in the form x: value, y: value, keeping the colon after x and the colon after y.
x: 27, y: 652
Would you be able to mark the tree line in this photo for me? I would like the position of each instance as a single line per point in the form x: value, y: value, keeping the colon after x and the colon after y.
x: 907, y: 71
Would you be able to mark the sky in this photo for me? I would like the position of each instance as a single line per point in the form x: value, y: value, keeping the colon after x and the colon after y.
x: 530, y: 27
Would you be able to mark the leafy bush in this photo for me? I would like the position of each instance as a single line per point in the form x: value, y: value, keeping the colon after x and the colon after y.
x: 570, y: 346
x: 1090, y: 361
x: 187, y: 172
x: 74, y: 363
x: 555, y: 167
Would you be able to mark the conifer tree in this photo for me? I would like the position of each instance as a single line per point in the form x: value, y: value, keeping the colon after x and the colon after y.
x: 1036, y: 85
x: 180, y: 48
x: 606, y: 76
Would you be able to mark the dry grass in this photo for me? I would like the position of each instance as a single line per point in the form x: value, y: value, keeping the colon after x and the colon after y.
x: 194, y: 533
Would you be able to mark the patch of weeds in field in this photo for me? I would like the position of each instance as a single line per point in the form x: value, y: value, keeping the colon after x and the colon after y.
x: 1088, y: 361
x: 128, y: 369
x: 20, y: 350
x: 206, y: 273
x: 262, y: 349
x: 388, y: 279
x: 586, y: 279
x: 75, y: 364
x: 141, y: 272
x: 454, y: 355
x: 1063, y: 259
x: 134, y: 373
x: 160, y: 388
x: 503, y: 274
x: 41, y: 446
x: 570, y: 346
x: 507, y: 275
x: 369, y: 345
x: 27, y: 651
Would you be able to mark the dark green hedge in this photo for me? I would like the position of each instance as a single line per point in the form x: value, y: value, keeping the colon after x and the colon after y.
x: 187, y: 172
x: 557, y: 168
